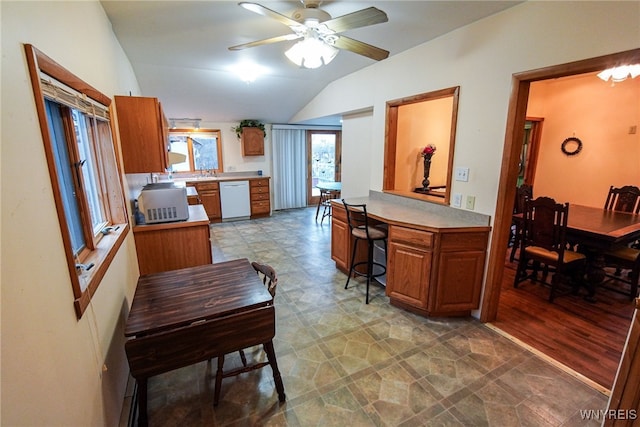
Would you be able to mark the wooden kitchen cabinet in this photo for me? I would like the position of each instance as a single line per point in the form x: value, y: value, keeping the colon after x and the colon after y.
x: 209, y: 194
x: 260, y: 196
x: 252, y: 140
x: 143, y: 130
x: 174, y: 245
x: 409, y: 256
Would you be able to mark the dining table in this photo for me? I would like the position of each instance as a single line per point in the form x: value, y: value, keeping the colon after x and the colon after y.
x: 594, y: 230
x: 182, y: 317
x: 328, y: 190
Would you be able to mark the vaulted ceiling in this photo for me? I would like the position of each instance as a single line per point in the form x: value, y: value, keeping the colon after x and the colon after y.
x: 179, y: 51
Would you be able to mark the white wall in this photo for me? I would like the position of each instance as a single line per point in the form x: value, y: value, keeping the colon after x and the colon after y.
x: 52, y: 362
x: 481, y: 59
x: 355, y: 180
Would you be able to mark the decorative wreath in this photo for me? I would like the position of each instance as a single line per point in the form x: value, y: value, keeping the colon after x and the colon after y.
x: 569, y: 142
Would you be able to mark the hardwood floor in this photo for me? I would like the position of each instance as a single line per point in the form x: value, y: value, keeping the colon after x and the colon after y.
x: 587, y: 337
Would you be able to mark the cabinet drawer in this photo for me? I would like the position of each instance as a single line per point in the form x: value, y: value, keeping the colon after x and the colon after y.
x: 259, y: 196
x: 204, y: 186
x: 409, y: 236
x: 259, y: 190
x: 261, y: 206
x: 263, y: 182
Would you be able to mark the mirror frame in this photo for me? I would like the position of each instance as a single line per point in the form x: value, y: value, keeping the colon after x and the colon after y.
x: 391, y: 136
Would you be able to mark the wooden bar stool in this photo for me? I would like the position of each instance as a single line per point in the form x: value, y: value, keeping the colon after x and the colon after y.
x: 361, y: 231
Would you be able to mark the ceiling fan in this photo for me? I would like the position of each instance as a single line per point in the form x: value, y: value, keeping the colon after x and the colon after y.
x: 320, y: 33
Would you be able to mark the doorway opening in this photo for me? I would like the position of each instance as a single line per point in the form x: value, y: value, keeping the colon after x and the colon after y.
x: 324, y: 159
x: 516, y: 155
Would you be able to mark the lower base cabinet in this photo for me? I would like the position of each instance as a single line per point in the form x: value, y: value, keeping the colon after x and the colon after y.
x: 429, y: 273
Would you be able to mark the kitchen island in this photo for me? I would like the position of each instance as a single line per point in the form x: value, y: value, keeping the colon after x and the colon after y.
x: 435, y: 254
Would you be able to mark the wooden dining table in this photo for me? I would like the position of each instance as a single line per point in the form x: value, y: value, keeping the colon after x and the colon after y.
x: 186, y: 316
x: 595, y: 230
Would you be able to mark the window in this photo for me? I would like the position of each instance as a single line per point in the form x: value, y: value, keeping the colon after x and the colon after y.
x: 202, y: 147
x: 76, y: 131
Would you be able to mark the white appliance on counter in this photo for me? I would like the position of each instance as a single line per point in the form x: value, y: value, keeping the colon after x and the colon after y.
x: 234, y: 199
x: 163, y: 202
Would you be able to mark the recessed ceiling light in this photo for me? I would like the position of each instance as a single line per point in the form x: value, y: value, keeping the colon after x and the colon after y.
x: 248, y: 72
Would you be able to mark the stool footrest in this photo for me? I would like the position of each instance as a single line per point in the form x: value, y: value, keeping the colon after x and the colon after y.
x: 374, y: 264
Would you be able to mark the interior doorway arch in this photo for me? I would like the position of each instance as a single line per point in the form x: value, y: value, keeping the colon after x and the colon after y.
x: 514, y: 135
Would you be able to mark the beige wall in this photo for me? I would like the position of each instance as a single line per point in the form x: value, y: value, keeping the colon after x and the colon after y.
x: 52, y: 363
x: 600, y: 115
x: 419, y: 124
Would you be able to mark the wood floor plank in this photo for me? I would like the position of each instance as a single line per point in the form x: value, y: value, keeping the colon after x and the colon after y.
x: 587, y: 337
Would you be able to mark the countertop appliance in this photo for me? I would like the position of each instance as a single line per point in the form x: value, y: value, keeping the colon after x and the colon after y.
x: 234, y: 199
x: 163, y: 202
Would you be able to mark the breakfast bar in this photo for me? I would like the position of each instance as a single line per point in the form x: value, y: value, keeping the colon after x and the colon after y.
x: 435, y: 254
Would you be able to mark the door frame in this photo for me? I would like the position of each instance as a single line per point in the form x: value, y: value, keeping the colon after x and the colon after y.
x: 514, y: 135
x: 313, y: 200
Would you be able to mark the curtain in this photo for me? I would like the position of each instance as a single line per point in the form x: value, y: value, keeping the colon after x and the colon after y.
x: 289, y: 168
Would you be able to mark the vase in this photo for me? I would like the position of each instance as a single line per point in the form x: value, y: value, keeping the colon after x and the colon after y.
x: 427, y: 168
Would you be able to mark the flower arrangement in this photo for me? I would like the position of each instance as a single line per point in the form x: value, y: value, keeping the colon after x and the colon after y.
x: 428, y: 151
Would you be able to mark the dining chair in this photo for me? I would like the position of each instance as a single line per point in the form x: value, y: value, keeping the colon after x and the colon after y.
x: 325, y: 203
x: 544, y: 245
x: 523, y: 193
x: 624, y: 199
x: 270, y: 280
x: 363, y: 231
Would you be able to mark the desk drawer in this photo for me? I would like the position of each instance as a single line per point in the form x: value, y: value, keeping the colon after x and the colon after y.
x: 263, y: 182
x: 260, y: 207
x: 409, y: 236
x: 259, y: 196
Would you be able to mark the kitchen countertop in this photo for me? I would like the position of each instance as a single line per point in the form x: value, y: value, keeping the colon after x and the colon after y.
x: 420, y: 215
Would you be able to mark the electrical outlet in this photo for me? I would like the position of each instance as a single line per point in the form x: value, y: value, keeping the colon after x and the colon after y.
x: 457, y: 200
x: 471, y: 202
x: 462, y: 174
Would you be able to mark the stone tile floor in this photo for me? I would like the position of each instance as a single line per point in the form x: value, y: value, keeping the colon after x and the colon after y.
x: 347, y: 363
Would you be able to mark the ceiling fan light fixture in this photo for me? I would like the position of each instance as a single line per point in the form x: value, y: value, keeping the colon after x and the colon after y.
x: 311, y: 53
x: 621, y: 73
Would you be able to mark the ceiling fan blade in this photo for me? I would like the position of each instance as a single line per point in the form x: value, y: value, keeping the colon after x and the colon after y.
x: 361, y: 48
x: 264, y: 11
x: 361, y: 18
x: 266, y: 41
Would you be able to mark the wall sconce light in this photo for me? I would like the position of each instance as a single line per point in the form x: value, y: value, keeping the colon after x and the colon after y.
x: 621, y: 73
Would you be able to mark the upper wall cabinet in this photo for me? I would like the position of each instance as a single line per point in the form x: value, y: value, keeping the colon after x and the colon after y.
x: 143, y: 134
x: 252, y: 140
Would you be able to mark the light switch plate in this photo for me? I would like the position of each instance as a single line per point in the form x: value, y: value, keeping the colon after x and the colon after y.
x: 457, y: 200
x: 462, y: 174
x: 471, y: 202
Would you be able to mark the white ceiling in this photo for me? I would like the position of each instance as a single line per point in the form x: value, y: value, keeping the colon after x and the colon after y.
x: 178, y: 50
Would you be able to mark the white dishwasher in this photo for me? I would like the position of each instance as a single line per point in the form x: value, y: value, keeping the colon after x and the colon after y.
x: 234, y: 199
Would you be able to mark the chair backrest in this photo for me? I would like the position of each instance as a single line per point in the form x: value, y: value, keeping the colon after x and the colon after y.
x: 523, y: 193
x: 357, y: 217
x: 269, y: 276
x: 623, y: 199
x: 545, y: 224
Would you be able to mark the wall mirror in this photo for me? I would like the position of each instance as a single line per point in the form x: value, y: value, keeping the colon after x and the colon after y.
x: 412, y: 124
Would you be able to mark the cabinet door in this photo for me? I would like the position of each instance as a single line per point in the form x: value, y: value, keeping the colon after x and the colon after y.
x: 209, y: 193
x: 252, y: 140
x: 340, y: 238
x: 408, y: 271
x: 143, y: 140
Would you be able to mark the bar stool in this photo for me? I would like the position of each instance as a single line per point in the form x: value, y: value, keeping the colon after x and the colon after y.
x: 361, y: 231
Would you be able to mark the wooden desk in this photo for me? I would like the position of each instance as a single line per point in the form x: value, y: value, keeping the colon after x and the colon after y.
x: 186, y: 316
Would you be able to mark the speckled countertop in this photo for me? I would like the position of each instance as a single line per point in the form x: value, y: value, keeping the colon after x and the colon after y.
x: 418, y: 214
